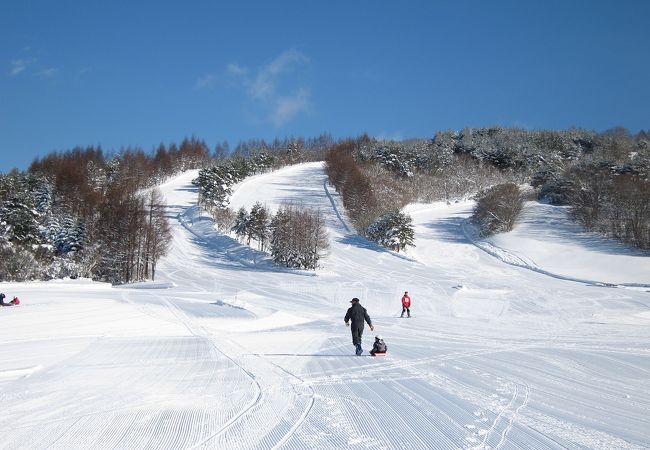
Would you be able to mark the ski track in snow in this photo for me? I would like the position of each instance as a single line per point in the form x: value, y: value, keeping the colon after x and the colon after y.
x: 226, y: 350
x: 513, y: 259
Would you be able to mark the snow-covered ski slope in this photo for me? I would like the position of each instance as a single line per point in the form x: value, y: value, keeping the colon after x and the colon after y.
x: 227, y: 350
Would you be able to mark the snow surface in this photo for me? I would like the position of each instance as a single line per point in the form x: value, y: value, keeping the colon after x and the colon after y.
x: 545, y: 233
x: 226, y: 350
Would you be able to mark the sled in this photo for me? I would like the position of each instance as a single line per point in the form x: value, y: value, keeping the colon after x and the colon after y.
x: 378, y: 354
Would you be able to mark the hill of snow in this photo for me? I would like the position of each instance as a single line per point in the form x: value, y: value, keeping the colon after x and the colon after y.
x: 226, y: 350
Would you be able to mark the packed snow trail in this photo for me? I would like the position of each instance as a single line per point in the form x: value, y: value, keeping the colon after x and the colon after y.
x: 239, y: 353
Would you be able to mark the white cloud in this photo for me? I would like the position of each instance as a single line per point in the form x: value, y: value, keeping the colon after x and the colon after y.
x: 265, y: 83
x: 18, y: 66
x: 285, y: 61
x: 236, y: 70
x: 277, y: 95
x: 206, y: 82
x: 48, y: 72
x: 287, y: 107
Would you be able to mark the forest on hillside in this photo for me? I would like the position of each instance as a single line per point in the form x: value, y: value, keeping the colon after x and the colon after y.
x: 602, y: 177
x: 88, y: 213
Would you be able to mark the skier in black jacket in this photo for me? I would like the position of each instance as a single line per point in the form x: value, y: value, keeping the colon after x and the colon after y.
x: 357, y: 314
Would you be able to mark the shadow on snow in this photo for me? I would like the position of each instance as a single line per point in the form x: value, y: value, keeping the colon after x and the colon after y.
x: 222, y: 251
x: 361, y: 242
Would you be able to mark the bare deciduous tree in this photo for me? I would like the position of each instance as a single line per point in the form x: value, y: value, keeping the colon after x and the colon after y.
x: 298, y: 237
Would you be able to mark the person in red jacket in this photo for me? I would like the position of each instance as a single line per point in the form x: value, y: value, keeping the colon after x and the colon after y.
x: 406, y: 304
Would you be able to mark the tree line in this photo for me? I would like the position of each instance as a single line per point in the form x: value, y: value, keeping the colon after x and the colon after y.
x: 88, y: 213
x: 215, y: 182
x: 295, y: 236
x: 375, y: 216
x: 602, y: 177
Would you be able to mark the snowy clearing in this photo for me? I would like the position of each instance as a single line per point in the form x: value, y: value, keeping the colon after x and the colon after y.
x: 226, y: 350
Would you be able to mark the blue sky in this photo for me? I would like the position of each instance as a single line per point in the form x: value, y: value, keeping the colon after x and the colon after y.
x: 124, y: 73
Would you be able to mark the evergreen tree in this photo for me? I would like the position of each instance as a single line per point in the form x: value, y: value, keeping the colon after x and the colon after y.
x: 280, y: 240
x: 259, y: 224
x: 242, y: 224
x: 393, y: 230
x: 69, y: 236
x: 20, y: 221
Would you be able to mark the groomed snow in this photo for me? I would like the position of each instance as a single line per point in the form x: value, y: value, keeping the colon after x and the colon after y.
x: 545, y: 239
x: 226, y: 350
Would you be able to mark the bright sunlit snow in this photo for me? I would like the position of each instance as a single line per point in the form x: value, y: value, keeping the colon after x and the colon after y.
x: 521, y: 341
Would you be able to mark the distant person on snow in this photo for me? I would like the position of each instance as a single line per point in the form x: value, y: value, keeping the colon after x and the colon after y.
x: 379, y: 347
x: 406, y: 305
x: 357, y: 314
x: 14, y: 302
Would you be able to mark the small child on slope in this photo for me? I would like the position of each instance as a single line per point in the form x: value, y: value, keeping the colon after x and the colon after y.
x: 379, y: 348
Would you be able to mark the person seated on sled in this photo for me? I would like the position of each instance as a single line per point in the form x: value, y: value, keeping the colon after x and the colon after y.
x: 14, y: 302
x: 379, y: 347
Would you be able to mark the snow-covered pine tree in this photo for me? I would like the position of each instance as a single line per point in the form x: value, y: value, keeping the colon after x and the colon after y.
x: 41, y: 192
x: 393, y: 230
x: 442, y: 150
x: 214, y: 187
x: 62, y: 238
x: 280, y: 243
x: 260, y: 162
x: 242, y: 223
x: 21, y: 220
